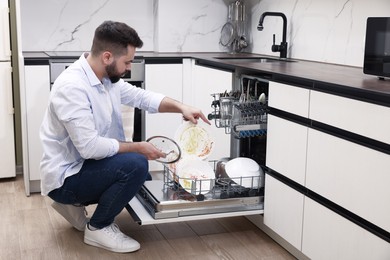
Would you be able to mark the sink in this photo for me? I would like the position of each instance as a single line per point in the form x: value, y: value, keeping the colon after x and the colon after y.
x: 253, y: 59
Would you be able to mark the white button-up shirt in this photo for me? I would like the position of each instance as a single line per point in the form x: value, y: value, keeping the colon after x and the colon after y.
x: 83, y: 121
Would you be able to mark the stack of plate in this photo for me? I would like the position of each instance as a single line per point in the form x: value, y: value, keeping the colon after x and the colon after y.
x: 194, y: 173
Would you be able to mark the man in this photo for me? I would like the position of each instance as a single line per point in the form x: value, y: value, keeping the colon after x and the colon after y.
x: 86, y: 160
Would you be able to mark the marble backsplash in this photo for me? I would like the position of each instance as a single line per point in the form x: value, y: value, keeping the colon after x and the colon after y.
x: 330, y: 31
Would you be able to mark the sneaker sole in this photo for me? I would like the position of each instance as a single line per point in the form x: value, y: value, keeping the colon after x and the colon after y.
x: 116, y: 250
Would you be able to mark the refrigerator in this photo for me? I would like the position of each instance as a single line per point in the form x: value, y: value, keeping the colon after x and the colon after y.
x: 7, y: 135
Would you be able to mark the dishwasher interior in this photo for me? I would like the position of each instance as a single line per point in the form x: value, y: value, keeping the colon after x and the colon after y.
x: 242, y: 112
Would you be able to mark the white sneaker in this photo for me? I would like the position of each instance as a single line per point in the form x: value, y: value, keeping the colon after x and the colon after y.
x: 73, y: 214
x: 110, y: 238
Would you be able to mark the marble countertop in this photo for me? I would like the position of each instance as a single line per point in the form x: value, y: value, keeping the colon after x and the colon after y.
x: 333, y: 78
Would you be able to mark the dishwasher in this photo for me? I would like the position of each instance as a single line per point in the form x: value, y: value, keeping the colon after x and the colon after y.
x: 243, y: 114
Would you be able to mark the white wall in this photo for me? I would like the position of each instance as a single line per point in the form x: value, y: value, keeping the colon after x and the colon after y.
x: 331, y: 31
x: 164, y: 25
x: 69, y: 25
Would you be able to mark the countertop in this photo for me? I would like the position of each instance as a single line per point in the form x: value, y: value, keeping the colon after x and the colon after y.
x: 338, y: 79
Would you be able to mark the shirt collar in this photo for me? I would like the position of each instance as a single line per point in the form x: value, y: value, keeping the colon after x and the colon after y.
x: 93, y: 79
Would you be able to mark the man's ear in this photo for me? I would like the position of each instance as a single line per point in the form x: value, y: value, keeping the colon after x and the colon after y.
x: 107, y: 57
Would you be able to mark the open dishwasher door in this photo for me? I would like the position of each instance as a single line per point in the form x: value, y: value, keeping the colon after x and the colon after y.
x: 164, y: 201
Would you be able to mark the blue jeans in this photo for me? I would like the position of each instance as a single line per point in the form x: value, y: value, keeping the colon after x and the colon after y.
x: 111, y: 183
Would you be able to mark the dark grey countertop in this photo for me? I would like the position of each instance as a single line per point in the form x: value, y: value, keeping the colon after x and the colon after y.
x: 338, y: 79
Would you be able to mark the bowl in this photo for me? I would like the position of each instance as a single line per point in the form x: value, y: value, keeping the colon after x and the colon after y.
x: 245, y: 172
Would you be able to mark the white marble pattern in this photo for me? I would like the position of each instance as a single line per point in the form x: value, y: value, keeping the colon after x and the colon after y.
x: 68, y: 25
x: 187, y: 25
x: 331, y: 31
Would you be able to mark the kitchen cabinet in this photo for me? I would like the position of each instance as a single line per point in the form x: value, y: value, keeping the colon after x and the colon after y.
x: 36, y: 91
x: 193, y: 85
x: 5, y: 42
x: 352, y: 115
x: 286, y: 148
x: 289, y: 98
x: 283, y: 211
x: 355, y: 177
x: 7, y: 152
x: 327, y: 235
x: 7, y: 135
x: 287, y: 140
x: 168, y: 80
x: 286, y: 154
x: 317, y: 145
x: 207, y: 81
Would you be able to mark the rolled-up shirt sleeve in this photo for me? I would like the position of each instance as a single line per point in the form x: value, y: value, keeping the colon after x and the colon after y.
x: 140, y: 98
x: 75, y: 112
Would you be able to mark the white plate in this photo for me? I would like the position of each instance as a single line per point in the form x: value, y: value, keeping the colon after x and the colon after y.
x: 194, y: 140
x: 245, y: 172
x: 195, y: 176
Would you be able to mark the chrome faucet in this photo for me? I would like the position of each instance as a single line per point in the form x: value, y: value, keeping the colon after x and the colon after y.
x: 282, y: 48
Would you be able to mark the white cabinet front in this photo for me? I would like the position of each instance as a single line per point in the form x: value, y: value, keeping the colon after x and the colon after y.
x: 286, y: 148
x: 7, y: 151
x: 207, y: 81
x: 37, y: 89
x: 288, y: 98
x: 356, y: 116
x: 283, y: 211
x: 5, y: 43
x: 353, y: 176
x: 327, y: 235
x: 168, y: 80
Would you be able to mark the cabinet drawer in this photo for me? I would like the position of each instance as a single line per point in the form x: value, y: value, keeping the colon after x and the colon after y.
x: 327, y: 235
x: 353, y: 176
x: 283, y: 211
x: 286, y: 148
x: 359, y: 117
x: 288, y: 98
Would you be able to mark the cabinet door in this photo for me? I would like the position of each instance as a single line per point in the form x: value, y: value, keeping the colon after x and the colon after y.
x: 353, y: 176
x: 352, y: 115
x: 168, y: 80
x: 7, y: 151
x: 283, y: 211
x: 288, y: 98
x: 37, y: 89
x: 327, y: 235
x: 5, y: 42
x: 207, y: 81
x: 286, y: 148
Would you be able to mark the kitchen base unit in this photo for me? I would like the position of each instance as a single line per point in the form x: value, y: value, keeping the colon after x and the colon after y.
x: 7, y: 153
x: 35, y: 93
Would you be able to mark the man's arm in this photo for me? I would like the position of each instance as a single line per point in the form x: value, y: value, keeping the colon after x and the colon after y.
x: 169, y: 105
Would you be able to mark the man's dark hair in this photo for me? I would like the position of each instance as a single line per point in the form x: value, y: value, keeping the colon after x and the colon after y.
x: 114, y: 37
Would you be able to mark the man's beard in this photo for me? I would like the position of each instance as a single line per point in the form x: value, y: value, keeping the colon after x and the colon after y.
x: 113, y: 73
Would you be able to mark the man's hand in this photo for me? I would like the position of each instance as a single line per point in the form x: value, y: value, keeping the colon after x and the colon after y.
x: 193, y: 114
x: 190, y: 113
x: 145, y: 148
